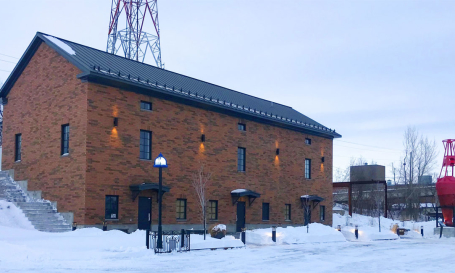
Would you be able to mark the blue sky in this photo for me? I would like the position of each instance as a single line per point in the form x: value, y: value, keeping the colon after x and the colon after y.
x: 368, y: 69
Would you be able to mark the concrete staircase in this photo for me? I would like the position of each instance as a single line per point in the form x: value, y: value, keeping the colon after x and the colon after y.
x: 41, y: 213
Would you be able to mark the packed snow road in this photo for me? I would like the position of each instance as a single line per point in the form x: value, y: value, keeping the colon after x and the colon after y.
x: 91, y: 250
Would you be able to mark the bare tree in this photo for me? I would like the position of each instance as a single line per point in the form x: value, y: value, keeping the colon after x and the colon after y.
x: 201, y: 180
x: 419, y: 159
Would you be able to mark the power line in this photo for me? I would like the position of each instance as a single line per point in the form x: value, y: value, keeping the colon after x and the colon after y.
x: 368, y: 145
x: 9, y: 56
x: 7, y: 61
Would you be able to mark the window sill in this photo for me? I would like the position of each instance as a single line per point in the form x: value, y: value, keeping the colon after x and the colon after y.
x: 182, y: 220
x: 241, y: 171
x: 112, y: 220
x: 65, y: 155
x: 143, y: 159
x: 265, y: 220
x: 145, y: 110
x: 18, y: 161
x: 288, y: 220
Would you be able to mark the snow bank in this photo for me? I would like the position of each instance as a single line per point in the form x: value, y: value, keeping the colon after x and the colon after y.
x: 369, y: 227
x: 12, y: 216
x: 318, y: 233
x: 198, y: 242
x: 61, y: 44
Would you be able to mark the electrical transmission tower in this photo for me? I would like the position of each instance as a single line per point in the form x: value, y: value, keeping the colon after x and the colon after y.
x: 133, y: 41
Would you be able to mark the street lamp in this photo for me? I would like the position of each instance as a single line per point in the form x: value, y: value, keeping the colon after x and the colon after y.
x: 160, y: 162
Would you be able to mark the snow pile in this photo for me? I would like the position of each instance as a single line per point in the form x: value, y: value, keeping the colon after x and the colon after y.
x: 61, y: 44
x: 219, y: 227
x: 369, y: 227
x: 197, y: 242
x: 317, y: 233
x: 12, y: 216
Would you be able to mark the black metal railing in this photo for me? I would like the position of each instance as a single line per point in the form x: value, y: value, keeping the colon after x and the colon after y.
x: 172, y: 241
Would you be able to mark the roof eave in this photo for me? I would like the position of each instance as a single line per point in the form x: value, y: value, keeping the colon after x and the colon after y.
x: 101, y: 78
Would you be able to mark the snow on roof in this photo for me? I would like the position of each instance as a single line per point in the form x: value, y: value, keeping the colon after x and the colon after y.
x: 238, y: 191
x: 61, y: 44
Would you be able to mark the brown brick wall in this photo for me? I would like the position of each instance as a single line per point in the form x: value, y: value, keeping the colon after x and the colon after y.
x: 114, y: 164
x: 45, y: 96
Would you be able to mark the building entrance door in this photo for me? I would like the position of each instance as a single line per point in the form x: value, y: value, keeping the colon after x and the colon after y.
x: 240, y: 216
x: 144, y: 219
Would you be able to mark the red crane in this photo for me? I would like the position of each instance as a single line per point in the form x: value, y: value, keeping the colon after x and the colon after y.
x: 445, y: 186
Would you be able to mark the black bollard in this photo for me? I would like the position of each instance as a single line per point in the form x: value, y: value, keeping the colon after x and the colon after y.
x: 243, y: 236
x: 339, y: 227
x: 182, y: 240
x: 74, y: 226
x: 421, y: 230
x: 274, y: 233
x: 104, y: 226
x: 147, y: 238
x: 356, y: 232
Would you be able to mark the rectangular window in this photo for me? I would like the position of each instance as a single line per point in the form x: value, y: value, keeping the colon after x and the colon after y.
x: 241, y: 126
x: 322, y: 212
x: 241, y: 159
x: 213, y: 210
x: 146, y: 106
x: 265, y: 211
x: 287, y: 213
x: 308, y: 168
x: 111, y: 207
x: 145, y: 147
x: 308, y: 141
x: 65, y: 142
x: 18, y: 147
x: 181, y: 209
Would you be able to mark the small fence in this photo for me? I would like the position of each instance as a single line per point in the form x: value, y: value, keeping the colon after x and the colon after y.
x: 172, y: 241
x: 176, y: 241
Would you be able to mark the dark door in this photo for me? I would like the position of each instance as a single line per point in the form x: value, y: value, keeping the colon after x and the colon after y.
x: 144, y: 219
x: 240, y: 216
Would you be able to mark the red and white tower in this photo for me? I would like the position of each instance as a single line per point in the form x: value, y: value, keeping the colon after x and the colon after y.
x: 445, y: 186
x: 133, y: 40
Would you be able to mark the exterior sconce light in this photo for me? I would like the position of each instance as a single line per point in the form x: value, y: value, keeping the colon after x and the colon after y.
x: 277, y: 151
x: 115, y: 122
x: 322, y: 159
x: 202, y: 138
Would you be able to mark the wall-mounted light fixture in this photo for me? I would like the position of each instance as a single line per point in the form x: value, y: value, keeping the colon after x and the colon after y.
x: 203, y: 138
x: 322, y: 159
x: 115, y: 122
x: 277, y: 151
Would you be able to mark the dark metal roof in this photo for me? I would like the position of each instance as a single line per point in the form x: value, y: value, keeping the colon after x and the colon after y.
x: 148, y: 186
x: 104, y: 67
x: 242, y: 192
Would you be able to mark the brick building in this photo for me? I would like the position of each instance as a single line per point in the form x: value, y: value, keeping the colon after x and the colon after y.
x: 83, y: 126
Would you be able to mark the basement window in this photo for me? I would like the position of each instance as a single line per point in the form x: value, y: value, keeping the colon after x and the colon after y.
x: 111, y: 207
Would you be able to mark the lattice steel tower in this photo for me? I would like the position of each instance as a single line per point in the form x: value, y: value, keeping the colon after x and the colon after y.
x: 133, y: 41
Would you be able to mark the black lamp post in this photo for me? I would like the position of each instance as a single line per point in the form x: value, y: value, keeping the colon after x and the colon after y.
x: 160, y: 162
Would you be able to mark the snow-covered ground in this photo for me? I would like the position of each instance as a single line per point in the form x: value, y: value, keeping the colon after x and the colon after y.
x: 91, y: 250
